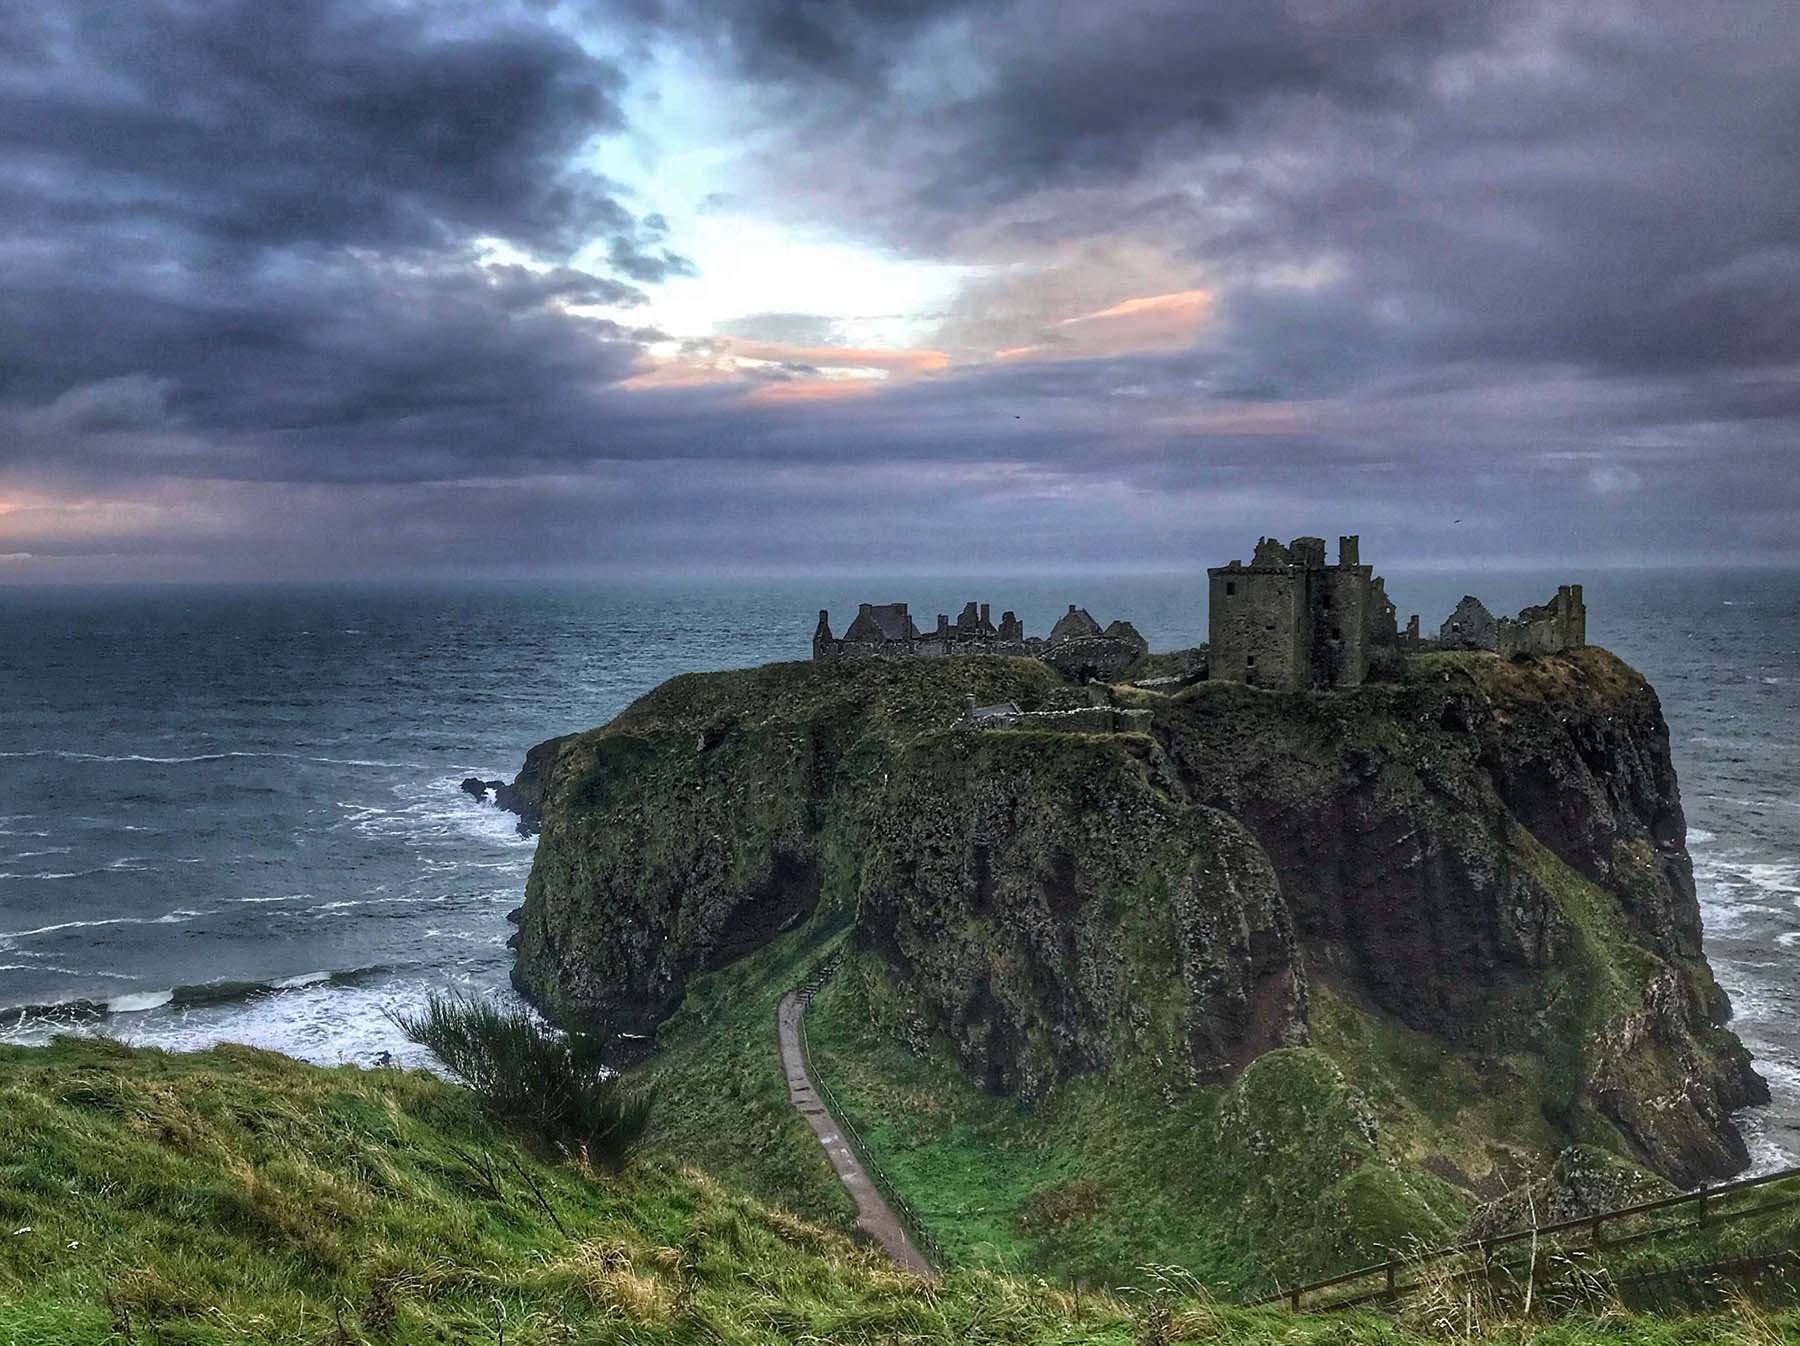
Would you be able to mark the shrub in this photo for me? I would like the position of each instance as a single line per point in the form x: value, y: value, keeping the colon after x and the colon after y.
x: 526, y: 1073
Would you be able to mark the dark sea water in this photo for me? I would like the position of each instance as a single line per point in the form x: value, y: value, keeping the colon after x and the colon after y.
x: 235, y: 813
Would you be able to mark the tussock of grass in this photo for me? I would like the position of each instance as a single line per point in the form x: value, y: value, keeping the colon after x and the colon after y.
x: 527, y: 1073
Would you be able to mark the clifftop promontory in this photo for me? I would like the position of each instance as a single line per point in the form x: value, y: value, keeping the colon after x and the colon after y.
x: 1462, y: 893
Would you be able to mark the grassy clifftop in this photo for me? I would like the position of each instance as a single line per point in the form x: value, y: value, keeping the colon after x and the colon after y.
x: 236, y: 1196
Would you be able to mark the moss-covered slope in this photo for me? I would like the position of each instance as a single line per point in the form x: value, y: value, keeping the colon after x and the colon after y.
x: 1461, y: 898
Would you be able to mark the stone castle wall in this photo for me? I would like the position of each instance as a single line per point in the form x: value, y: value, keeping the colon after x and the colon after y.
x: 1078, y: 646
x: 1560, y: 624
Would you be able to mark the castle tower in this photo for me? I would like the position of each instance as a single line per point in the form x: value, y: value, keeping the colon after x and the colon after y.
x: 1289, y: 620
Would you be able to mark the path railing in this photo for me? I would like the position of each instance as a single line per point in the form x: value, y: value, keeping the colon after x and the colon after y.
x: 922, y: 1238
x: 1705, y: 1201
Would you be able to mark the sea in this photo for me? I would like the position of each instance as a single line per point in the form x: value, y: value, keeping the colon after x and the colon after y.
x: 234, y: 813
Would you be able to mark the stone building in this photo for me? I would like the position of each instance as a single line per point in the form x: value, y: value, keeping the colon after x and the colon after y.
x: 1470, y: 627
x: 1288, y: 620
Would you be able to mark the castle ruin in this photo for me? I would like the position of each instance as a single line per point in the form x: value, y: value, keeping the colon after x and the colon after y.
x: 1289, y: 621
x: 1560, y: 624
x: 1077, y: 645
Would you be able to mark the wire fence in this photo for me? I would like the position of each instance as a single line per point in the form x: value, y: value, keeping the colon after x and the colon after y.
x: 1711, y: 1206
x: 923, y: 1239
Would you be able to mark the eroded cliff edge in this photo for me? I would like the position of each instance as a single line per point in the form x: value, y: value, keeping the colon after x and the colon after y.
x: 1483, y: 858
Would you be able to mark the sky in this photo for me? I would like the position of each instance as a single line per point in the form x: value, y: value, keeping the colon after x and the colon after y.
x: 349, y: 288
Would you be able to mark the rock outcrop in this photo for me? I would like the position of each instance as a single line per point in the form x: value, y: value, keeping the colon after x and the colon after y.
x: 1488, y: 854
x: 526, y: 794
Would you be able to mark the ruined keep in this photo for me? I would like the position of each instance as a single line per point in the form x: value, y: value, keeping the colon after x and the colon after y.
x: 1289, y: 621
x: 1077, y: 646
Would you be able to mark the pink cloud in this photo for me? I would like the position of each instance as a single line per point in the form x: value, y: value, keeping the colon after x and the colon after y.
x: 1156, y: 322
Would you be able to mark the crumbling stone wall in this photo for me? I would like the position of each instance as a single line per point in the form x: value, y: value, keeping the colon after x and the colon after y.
x: 1078, y: 720
x: 1560, y: 624
x: 1078, y: 645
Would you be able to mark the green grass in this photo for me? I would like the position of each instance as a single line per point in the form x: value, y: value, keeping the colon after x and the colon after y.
x: 235, y: 1196
x: 1112, y: 1172
x: 722, y: 1101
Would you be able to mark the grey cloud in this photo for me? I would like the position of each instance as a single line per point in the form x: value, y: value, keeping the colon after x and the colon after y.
x: 647, y: 264
x: 522, y: 287
x: 800, y: 42
x: 320, y: 121
x: 253, y: 233
x: 1513, y: 253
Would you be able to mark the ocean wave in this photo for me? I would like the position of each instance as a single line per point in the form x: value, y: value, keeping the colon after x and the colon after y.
x: 180, y: 917
x: 69, y: 755
x: 445, y: 814
x: 340, y: 1017
x: 126, y: 865
x: 191, y: 996
x: 1699, y: 836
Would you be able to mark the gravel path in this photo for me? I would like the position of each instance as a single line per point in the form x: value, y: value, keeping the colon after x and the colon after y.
x: 873, y: 1214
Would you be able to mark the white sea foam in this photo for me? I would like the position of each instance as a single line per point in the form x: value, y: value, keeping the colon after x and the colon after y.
x: 304, y: 979
x: 138, y: 1003
x: 1767, y: 1155
x: 315, y: 1021
x: 443, y: 815
x: 1778, y: 877
x: 1699, y: 836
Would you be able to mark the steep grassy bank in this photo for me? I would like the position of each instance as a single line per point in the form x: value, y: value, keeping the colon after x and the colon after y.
x: 1282, y: 1172
x: 236, y: 1196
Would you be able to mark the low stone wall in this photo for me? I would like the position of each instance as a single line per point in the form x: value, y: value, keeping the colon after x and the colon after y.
x: 1081, y: 720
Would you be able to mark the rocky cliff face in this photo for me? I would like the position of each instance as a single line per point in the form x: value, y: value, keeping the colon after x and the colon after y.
x: 1489, y: 854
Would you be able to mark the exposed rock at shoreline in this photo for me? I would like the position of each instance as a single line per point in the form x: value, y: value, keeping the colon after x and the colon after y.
x: 525, y: 795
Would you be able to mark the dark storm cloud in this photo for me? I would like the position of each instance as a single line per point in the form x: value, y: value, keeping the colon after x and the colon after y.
x: 319, y: 121
x: 252, y: 228
x: 801, y: 42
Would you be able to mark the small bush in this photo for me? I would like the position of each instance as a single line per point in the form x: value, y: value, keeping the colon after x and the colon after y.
x: 534, y: 1077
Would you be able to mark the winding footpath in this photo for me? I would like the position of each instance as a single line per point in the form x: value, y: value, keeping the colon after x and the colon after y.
x: 873, y: 1214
